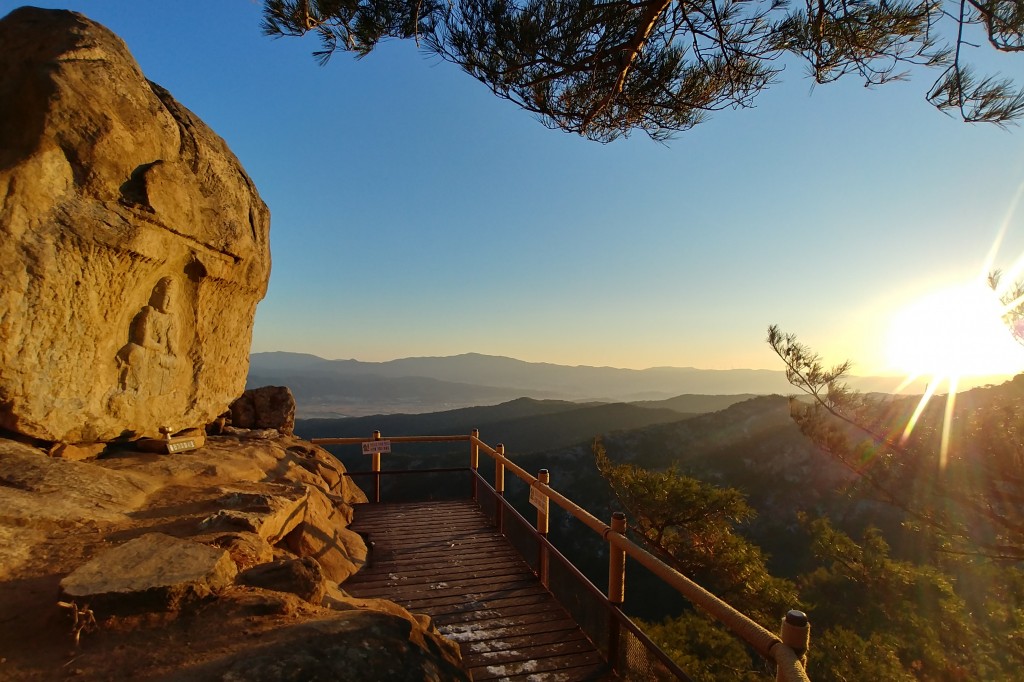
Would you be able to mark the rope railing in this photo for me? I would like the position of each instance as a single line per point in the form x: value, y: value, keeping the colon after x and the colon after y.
x: 787, y: 650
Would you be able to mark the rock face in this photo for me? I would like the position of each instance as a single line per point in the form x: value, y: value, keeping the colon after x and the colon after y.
x: 133, y: 245
x: 351, y: 646
x: 267, y: 407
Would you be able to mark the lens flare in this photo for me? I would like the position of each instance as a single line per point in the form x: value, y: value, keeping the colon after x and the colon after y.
x: 955, y: 332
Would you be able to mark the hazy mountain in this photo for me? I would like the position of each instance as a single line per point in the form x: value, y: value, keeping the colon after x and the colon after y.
x: 416, y: 385
x: 320, y: 393
x: 431, y: 384
x: 530, y: 378
x: 524, y: 425
x: 696, y: 404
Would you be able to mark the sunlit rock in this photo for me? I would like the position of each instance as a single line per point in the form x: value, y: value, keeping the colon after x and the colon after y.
x: 133, y: 246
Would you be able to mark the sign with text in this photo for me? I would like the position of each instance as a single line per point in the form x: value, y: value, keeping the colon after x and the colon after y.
x: 373, y: 447
x: 181, y: 444
x: 538, y: 499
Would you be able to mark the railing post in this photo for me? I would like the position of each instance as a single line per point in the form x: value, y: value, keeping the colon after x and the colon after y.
x: 474, y: 460
x: 616, y: 587
x: 375, y: 467
x: 796, y: 634
x: 542, y: 527
x: 499, y: 489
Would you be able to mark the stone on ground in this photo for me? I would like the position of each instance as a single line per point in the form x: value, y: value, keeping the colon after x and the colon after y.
x: 151, y: 572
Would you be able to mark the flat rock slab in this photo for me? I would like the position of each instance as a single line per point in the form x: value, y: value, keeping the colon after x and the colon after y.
x: 38, y: 489
x: 152, y: 572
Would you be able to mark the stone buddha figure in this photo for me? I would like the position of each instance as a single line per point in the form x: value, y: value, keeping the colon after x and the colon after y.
x: 148, y: 359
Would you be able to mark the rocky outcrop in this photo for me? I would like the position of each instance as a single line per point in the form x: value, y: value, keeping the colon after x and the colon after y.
x: 212, y: 564
x: 267, y: 407
x: 360, y: 645
x: 302, y: 577
x: 133, y: 245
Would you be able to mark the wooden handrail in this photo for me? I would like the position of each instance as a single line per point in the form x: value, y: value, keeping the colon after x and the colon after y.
x: 766, y: 643
x: 393, y: 439
x: 789, y: 665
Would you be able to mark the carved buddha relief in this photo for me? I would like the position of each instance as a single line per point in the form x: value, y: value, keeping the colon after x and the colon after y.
x: 147, y: 362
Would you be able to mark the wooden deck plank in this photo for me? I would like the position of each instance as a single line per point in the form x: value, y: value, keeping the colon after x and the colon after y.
x: 444, y: 559
x: 428, y: 573
x: 448, y: 589
x: 499, y: 670
x: 526, y: 618
x: 586, y: 673
x: 509, y: 612
x: 499, y: 628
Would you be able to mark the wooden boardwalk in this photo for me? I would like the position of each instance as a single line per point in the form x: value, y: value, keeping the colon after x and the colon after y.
x: 444, y: 559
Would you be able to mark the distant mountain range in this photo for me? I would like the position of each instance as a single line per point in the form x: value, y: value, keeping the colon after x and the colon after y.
x: 524, y: 425
x: 349, y: 388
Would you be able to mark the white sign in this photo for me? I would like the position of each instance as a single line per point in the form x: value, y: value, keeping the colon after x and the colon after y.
x: 538, y: 499
x: 373, y: 447
x: 181, y: 445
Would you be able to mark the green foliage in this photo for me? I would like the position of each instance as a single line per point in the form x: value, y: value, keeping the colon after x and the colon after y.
x: 839, y: 655
x: 706, y: 651
x: 949, y: 605
x: 909, y: 610
x: 692, y: 526
x: 606, y: 68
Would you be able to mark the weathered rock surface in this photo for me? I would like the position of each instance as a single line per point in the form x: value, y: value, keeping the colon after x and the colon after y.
x: 50, y: 490
x: 245, y: 549
x: 267, y: 407
x: 323, y: 535
x: 269, y: 510
x: 356, y: 645
x: 149, y: 573
x: 76, y: 452
x: 133, y: 245
x: 124, y: 534
x: 302, y: 577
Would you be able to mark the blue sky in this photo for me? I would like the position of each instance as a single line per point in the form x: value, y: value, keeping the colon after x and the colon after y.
x: 413, y: 213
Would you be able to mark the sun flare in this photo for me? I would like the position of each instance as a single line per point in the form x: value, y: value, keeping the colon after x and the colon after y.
x: 954, y: 332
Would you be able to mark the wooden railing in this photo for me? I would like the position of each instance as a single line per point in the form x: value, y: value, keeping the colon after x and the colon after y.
x: 787, y: 650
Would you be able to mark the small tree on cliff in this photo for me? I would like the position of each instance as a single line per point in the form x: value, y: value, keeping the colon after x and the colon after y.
x: 603, y: 68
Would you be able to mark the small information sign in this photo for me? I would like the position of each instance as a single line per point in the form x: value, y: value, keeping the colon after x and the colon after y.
x: 181, y: 444
x: 373, y: 447
x: 538, y: 499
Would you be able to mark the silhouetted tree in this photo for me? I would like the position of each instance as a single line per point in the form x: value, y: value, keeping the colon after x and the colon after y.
x: 1012, y: 298
x: 956, y: 472
x: 603, y: 68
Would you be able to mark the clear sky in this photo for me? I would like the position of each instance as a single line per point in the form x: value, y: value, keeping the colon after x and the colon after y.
x: 414, y: 213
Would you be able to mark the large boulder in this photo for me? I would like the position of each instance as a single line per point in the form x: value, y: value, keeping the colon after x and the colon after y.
x: 267, y: 407
x: 133, y: 246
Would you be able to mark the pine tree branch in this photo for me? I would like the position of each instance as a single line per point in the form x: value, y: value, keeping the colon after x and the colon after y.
x: 629, y: 53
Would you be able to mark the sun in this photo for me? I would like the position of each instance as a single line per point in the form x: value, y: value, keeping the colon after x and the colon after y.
x: 953, y: 333
x: 948, y: 335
